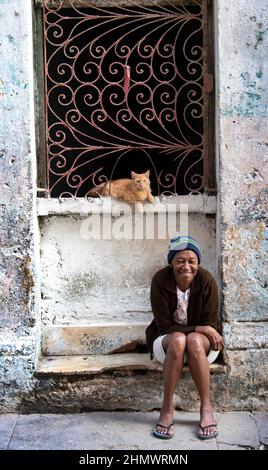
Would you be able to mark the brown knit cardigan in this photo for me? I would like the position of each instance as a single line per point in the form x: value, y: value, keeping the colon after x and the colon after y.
x: 202, y: 306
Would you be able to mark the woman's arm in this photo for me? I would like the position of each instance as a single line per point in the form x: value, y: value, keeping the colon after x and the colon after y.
x: 210, y: 321
x: 213, y: 336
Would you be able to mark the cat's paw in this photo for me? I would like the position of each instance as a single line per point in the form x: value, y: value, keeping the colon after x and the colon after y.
x: 139, y: 208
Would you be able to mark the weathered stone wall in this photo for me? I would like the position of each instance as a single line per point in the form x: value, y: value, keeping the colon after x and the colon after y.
x: 243, y: 175
x: 18, y: 278
x: 105, y: 281
x: 241, y: 110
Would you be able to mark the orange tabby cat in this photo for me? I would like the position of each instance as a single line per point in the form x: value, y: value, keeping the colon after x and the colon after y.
x: 132, y: 190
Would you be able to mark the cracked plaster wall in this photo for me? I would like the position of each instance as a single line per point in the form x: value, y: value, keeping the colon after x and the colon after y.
x: 18, y: 224
x: 242, y: 216
x: 102, y: 281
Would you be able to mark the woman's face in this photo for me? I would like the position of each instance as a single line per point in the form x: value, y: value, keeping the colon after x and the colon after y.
x: 185, y: 265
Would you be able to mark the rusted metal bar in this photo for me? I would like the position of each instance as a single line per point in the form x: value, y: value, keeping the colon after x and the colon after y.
x: 113, y: 3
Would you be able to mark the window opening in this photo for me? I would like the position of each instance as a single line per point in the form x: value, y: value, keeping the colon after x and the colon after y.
x: 127, y: 87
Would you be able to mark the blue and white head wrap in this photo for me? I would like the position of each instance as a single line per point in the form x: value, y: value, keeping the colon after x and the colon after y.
x: 183, y: 243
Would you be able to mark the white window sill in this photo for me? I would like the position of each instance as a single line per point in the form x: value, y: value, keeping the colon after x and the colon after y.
x: 81, y: 206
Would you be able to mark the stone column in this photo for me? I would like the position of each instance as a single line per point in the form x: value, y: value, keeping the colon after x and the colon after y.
x: 242, y: 76
x: 18, y: 227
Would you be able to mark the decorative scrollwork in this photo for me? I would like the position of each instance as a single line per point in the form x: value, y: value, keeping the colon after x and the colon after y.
x: 124, y: 86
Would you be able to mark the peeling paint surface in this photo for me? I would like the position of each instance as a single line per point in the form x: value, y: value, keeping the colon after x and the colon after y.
x: 18, y: 300
x: 243, y: 73
x: 110, y: 279
x: 243, y: 222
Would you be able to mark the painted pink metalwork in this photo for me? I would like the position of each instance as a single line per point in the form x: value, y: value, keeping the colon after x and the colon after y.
x: 124, y: 91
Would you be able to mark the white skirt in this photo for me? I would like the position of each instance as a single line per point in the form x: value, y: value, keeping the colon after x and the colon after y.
x: 160, y: 354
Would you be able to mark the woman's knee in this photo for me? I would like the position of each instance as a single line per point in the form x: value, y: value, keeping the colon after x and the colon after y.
x: 194, y: 343
x: 175, y: 343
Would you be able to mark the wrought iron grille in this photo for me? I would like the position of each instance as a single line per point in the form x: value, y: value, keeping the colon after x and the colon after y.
x: 126, y: 88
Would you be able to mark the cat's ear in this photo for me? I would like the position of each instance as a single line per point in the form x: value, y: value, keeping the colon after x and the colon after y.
x: 133, y: 174
x: 147, y: 174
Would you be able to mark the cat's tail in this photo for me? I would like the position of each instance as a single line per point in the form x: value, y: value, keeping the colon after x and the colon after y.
x: 97, y: 190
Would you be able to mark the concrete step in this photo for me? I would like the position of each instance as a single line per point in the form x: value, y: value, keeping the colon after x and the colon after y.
x: 96, y: 364
x: 92, y: 339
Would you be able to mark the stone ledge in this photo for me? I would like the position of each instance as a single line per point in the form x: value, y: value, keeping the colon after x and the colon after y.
x: 92, y: 364
x: 82, y: 206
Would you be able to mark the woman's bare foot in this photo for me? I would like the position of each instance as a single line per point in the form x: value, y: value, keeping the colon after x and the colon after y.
x: 165, y: 423
x: 208, y: 424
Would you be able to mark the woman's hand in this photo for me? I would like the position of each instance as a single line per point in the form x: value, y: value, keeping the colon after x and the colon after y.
x: 213, y: 336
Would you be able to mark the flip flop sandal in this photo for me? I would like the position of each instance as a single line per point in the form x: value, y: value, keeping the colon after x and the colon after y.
x: 161, y: 435
x: 208, y: 436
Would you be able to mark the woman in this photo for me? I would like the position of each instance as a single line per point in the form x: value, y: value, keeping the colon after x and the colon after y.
x: 184, y: 302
